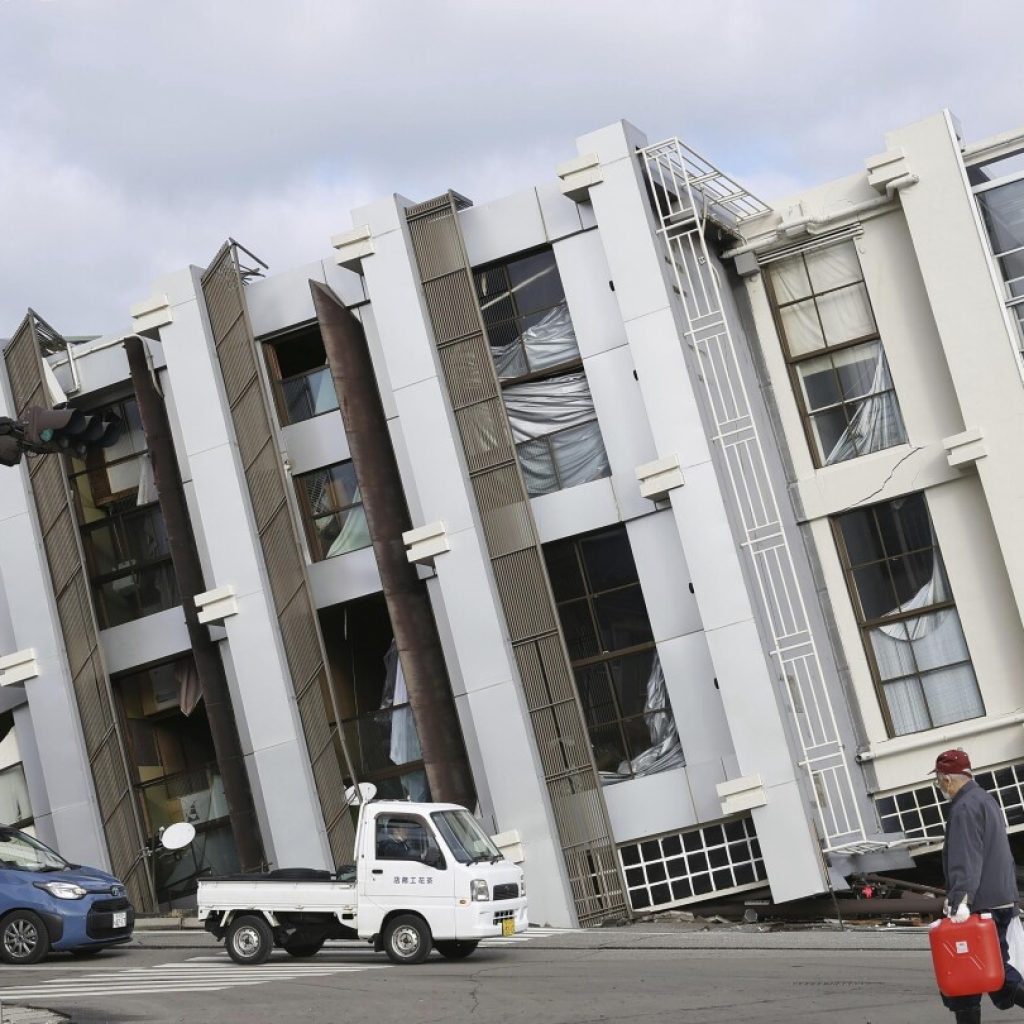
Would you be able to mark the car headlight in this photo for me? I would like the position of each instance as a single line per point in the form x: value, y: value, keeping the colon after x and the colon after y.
x: 522, y: 887
x: 62, y: 890
x: 478, y: 890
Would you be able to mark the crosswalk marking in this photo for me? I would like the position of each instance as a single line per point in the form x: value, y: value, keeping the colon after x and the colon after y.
x: 190, y: 976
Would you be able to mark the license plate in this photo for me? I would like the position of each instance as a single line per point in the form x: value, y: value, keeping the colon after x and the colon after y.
x: 508, y: 927
x: 120, y: 919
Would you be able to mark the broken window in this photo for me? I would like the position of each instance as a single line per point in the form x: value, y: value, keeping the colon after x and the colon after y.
x: 303, y: 385
x: 332, y: 511
x: 540, y: 369
x: 837, y: 361
x: 909, y: 622
x: 127, y: 552
x: 999, y: 188
x: 618, y: 674
x: 370, y: 692
x: 174, y: 771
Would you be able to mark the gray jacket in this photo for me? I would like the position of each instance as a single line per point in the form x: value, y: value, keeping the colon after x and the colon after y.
x: 976, y: 856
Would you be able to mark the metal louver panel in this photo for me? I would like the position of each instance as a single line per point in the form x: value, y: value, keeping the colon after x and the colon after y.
x: 97, y: 713
x: 293, y: 604
x: 517, y: 561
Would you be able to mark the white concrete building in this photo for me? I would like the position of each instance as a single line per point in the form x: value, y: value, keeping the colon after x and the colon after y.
x: 633, y: 411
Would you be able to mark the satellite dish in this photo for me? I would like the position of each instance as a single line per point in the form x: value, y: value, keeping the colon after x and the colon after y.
x: 177, y: 836
x: 362, y: 794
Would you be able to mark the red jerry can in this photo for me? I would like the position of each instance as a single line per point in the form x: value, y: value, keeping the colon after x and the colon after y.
x: 967, y: 957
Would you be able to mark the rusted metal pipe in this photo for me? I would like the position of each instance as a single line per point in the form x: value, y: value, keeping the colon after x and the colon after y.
x: 387, y: 517
x: 188, y: 573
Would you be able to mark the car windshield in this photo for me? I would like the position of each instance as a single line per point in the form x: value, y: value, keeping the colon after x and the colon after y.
x: 23, y: 853
x: 467, y: 841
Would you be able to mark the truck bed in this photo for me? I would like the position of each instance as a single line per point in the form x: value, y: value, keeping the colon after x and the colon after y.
x: 275, y: 895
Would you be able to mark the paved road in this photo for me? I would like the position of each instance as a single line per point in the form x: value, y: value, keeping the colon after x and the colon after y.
x: 629, y: 975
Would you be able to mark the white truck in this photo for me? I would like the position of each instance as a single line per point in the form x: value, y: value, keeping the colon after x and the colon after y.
x: 426, y: 877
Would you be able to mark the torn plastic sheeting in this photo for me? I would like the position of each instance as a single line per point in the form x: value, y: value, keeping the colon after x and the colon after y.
x: 549, y: 342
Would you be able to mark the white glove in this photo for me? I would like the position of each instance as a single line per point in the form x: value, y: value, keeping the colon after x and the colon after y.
x: 961, y: 914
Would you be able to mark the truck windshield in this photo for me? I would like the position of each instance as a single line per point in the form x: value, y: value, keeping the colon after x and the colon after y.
x: 467, y: 841
x: 23, y: 853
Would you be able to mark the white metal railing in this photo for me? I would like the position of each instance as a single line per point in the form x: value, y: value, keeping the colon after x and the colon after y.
x: 688, y: 192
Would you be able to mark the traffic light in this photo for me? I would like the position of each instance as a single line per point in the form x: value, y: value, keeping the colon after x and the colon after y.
x: 70, y: 430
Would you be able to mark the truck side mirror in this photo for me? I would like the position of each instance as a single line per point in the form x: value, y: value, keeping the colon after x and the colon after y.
x: 432, y: 857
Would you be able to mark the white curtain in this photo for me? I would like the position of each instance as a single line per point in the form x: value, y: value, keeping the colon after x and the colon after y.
x: 841, y: 310
x: 189, y: 692
x: 665, y: 751
x: 548, y: 342
x: 932, y: 643
x: 562, y: 406
x: 877, y: 423
x: 354, y: 534
x: 147, y: 484
x: 405, y: 743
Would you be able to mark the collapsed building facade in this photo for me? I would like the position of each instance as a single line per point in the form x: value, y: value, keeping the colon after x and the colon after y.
x: 667, y: 530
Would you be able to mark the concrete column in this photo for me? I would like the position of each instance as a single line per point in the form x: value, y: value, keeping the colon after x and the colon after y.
x: 485, y: 683
x: 261, y: 690
x: 966, y: 302
x: 785, y: 825
x: 72, y: 819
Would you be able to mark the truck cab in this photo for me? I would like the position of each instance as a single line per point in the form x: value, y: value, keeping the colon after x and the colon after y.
x: 426, y: 876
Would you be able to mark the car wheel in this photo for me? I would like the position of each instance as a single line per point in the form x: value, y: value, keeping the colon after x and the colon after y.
x: 407, y: 939
x: 249, y: 940
x: 455, y: 950
x: 302, y: 949
x: 23, y: 938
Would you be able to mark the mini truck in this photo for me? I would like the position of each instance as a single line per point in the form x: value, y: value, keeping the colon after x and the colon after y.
x: 426, y: 877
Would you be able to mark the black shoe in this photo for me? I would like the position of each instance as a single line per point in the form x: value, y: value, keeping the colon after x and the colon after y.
x: 971, y: 1016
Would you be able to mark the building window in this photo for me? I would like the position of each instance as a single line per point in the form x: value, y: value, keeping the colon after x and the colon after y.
x: 15, y: 806
x: 689, y: 866
x: 174, y: 772
x: 837, y: 362
x: 332, y: 511
x: 303, y: 386
x: 999, y: 187
x: 618, y: 674
x: 122, y: 527
x: 922, y: 813
x: 538, y: 363
x: 911, y: 628
x: 371, y: 695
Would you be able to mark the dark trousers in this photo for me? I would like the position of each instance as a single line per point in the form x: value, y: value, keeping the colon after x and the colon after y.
x: 1003, y: 998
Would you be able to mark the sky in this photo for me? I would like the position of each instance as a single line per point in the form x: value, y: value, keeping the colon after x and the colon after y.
x: 135, y: 135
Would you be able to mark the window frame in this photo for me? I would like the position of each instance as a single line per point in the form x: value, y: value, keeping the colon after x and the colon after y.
x: 309, y: 519
x: 605, y: 657
x: 866, y: 625
x: 793, y: 361
x: 269, y: 343
x: 109, y: 500
x: 1010, y: 303
x: 567, y: 366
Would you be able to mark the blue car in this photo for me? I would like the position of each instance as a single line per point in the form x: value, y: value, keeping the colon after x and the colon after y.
x: 48, y: 904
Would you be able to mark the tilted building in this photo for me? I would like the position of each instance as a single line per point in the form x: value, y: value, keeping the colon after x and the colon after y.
x: 691, y: 515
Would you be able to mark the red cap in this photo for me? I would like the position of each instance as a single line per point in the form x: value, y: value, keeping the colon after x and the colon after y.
x: 952, y: 762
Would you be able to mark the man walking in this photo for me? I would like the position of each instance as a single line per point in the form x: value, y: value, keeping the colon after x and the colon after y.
x: 980, y: 873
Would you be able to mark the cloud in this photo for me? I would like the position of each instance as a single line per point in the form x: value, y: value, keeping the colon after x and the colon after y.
x: 135, y: 136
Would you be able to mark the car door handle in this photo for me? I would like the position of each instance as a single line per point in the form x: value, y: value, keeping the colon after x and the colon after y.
x: 378, y: 871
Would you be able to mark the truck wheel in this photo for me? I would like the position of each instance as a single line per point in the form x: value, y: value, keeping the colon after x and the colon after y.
x: 249, y: 940
x: 455, y: 950
x: 407, y: 939
x: 23, y: 938
x: 301, y: 949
